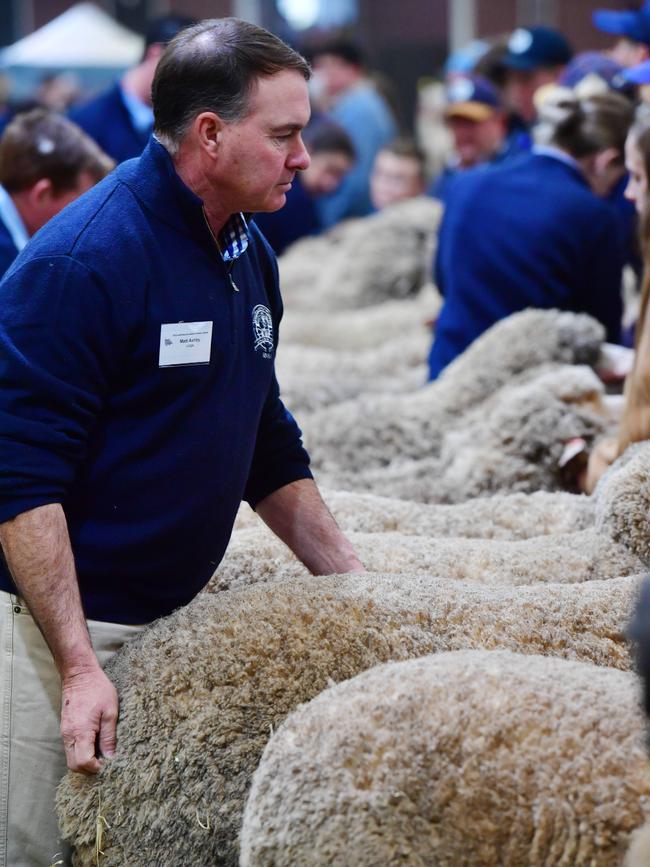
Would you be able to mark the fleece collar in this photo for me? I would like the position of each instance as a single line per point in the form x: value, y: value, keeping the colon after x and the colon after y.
x: 154, y: 181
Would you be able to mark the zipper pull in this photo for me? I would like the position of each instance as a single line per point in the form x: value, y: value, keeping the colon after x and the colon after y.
x: 232, y: 282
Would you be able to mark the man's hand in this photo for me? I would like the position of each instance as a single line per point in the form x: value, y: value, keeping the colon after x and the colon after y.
x: 89, y: 709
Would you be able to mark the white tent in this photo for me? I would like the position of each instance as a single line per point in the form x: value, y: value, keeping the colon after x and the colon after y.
x: 82, y: 37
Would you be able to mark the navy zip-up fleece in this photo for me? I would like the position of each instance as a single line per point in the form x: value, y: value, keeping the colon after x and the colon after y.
x: 528, y: 233
x: 149, y: 463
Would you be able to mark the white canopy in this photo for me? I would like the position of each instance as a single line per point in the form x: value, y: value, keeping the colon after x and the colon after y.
x: 83, y: 36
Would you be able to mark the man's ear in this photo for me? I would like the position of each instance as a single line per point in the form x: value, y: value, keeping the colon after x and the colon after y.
x: 208, y: 129
x: 606, y: 159
x: 40, y: 192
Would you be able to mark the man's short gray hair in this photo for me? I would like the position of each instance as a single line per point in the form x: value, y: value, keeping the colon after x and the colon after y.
x: 213, y: 66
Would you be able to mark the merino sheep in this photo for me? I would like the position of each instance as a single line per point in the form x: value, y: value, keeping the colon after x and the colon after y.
x: 202, y: 690
x: 512, y: 442
x: 364, y: 262
x: 361, y: 329
x: 313, y: 377
x: 374, y: 430
x: 465, y: 758
x: 613, y: 541
x: 508, y: 517
x: 257, y: 555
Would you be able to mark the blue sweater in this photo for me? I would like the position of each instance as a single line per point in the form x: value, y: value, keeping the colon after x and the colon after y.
x: 149, y: 463
x: 527, y: 234
x: 107, y: 120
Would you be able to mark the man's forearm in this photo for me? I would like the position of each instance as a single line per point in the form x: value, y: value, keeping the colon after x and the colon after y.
x: 37, y: 550
x: 298, y: 515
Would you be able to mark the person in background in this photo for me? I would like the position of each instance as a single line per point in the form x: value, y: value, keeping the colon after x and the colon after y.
x: 476, y: 117
x: 121, y: 118
x: 398, y: 173
x: 46, y: 162
x: 531, y: 233
x: 632, y: 29
x: 635, y: 422
x: 332, y: 157
x: 354, y: 102
x: 535, y: 56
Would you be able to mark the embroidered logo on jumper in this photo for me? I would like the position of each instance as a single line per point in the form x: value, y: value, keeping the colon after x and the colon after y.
x: 263, y: 330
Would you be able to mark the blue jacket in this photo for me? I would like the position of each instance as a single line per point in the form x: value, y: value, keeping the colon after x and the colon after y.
x: 527, y: 234
x: 296, y: 219
x: 149, y: 463
x: 107, y: 120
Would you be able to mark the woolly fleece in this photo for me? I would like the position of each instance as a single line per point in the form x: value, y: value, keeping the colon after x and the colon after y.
x: 202, y: 690
x: 464, y: 759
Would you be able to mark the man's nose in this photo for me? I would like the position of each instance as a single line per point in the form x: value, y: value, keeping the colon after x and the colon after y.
x: 300, y: 158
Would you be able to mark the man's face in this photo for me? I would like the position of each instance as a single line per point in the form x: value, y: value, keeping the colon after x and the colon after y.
x: 394, y: 178
x: 476, y: 141
x: 334, y: 73
x: 628, y: 53
x: 327, y: 170
x: 259, y: 155
x: 637, y: 185
x: 520, y: 88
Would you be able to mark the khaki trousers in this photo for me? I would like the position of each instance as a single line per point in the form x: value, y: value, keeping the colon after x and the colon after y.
x: 32, y: 760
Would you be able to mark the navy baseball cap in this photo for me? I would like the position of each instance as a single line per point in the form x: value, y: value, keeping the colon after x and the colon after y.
x: 593, y: 63
x: 627, y: 23
x: 532, y: 48
x: 472, y: 97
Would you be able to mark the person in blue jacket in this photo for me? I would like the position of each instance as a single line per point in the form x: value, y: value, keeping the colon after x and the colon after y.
x: 532, y: 233
x: 46, y: 162
x: 120, y: 119
x: 139, y: 404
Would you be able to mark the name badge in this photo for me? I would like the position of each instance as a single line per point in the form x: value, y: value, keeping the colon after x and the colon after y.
x: 184, y: 343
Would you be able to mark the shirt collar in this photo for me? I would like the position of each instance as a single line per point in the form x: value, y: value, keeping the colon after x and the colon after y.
x: 12, y: 220
x: 141, y: 114
x: 233, y: 238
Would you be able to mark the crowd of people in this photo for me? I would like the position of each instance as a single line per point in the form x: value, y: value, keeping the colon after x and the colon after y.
x: 138, y: 328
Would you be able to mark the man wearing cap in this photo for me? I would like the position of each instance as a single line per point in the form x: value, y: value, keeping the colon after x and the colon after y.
x: 632, y: 27
x: 476, y: 119
x: 536, y: 56
x: 120, y: 119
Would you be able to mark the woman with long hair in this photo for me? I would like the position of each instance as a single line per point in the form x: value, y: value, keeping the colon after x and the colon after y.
x: 635, y: 421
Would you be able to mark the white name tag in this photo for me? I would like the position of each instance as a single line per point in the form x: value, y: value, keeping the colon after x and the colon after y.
x: 185, y: 343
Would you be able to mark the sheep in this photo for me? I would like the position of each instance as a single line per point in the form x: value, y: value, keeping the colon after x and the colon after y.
x: 361, y: 329
x: 313, y: 377
x: 364, y: 262
x: 465, y: 758
x: 614, y: 541
x: 372, y: 431
x: 508, y: 517
x: 511, y: 442
x: 202, y: 690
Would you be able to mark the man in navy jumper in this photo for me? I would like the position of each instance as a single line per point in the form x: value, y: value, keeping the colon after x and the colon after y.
x: 120, y: 119
x: 139, y: 402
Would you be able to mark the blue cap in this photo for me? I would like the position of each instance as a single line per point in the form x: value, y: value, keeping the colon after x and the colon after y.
x: 593, y: 63
x: 472, y: 97
x: 638, y: 74
x: 630, y: 24
x: 532, y: 48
